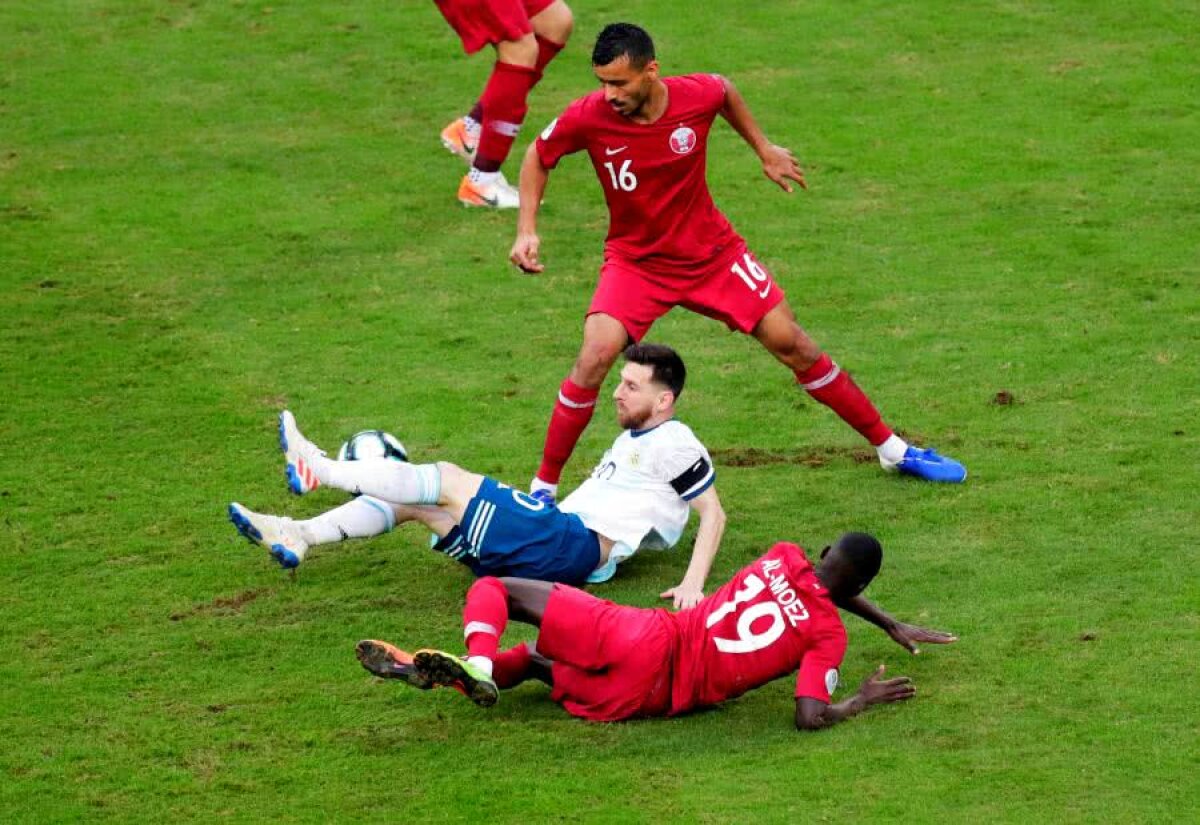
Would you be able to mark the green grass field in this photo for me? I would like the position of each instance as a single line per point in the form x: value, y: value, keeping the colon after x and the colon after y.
x: 211, y: 210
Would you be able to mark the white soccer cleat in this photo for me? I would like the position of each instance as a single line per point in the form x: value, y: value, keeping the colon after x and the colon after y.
x: 281, y: 536
x: 300, y: 454
x: 499, y: 194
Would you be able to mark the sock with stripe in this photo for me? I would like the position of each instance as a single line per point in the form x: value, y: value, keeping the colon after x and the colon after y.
x: 360, y: 518
x: 485, y: 616
x: 572, y: 412
x: 384, y: 478
x: 504, y: 106
x: 826, y: 382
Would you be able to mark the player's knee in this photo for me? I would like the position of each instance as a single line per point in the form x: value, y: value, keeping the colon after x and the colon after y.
x: 595, y: 360
x: 451, y: 474
x: 555, y: 22
x: 523, y: 52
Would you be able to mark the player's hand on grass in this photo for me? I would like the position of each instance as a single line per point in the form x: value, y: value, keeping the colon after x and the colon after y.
x: 781, y: 166
x: 684, y: 596
x: 525, y: 252
x: 908, y: 636
x: 876, y: 690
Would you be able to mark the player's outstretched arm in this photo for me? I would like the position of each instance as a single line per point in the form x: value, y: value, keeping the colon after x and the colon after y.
x: 533, y: 185
x: 813, y: 714
x: 908, y: 636
x: 778, y: 162
x: 690, y: 591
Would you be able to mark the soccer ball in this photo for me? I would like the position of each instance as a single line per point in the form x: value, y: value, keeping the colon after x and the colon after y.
x: 372, y: 444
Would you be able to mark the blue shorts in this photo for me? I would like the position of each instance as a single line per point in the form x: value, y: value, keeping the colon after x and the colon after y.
x: 509, y: 533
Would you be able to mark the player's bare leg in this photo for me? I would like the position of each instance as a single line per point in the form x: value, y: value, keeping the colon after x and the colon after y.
x: 604, y: 339
x: 828, y: 384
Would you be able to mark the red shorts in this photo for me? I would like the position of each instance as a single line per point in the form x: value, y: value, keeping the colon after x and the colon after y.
x: 611, y: 662
x: 737, y: 290
x: 483, y: 22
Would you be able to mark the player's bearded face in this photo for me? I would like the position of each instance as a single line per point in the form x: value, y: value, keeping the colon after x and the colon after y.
x: 638, y: 397
x: 626, y: 88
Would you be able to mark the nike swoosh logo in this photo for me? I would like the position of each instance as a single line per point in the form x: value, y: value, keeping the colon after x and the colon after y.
x: 611, y: 152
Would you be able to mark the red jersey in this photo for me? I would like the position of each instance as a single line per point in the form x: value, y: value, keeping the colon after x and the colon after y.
x: 773, y: 617
x: 661, y: 215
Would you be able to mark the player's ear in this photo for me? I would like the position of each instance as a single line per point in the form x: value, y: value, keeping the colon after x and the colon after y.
x: 652, y: 69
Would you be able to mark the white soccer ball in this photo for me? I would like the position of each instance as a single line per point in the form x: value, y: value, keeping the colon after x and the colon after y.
x: 372, y: 444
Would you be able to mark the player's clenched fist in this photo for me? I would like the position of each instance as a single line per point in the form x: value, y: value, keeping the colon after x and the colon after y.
x: 525, y: 252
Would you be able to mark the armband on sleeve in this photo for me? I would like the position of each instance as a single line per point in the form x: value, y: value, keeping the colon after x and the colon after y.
x: 694, y: 480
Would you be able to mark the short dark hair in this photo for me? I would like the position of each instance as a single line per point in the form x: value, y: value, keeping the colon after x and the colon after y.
x: 859, y: 556
x: 623, y: 39
x: 666, y: 366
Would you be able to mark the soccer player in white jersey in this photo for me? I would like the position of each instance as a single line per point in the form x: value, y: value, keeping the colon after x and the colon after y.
x: 639, y: 496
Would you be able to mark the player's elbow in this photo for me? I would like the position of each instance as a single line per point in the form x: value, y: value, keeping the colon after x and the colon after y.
x: 809, y: 721
x: 811, y: 714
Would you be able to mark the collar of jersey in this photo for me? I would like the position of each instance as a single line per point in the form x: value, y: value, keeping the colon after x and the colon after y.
x: 640, y: 433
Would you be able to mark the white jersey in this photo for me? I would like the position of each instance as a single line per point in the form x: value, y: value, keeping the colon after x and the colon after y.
x: 639, y: 492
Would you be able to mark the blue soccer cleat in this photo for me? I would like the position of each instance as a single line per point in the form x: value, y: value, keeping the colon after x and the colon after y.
x: 545, y: 497
x: 927, y: 464
x: 280, y: 536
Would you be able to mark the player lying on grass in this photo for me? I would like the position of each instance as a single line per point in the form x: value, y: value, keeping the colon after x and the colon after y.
x: 638, y: 497
x: 606, y: 662
x: 668, y: 244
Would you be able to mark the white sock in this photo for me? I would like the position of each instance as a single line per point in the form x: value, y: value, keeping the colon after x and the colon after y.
x: 483, y: 178
x: 481, y: 662
x: 384, y: 478
x: 474, y: 127
x: 538, y: 484
x: 892, y: 450
x: 358, y: 519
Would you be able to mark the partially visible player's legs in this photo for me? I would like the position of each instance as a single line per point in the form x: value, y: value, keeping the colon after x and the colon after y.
x: 604, y: 339
x: 489, y: 604
x: 505, y: 102
x: 827, y: 383
x: 552, y: 26
x: 289, y: 540
x: 308, y: 467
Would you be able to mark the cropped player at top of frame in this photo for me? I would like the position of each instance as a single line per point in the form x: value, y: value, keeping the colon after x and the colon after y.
x: 526, y: 34
x: 639, y: 497
x: 606, y: 662
x: 668, y: 245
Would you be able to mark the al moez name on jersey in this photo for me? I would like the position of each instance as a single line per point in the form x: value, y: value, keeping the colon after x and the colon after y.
x: 781, y: 590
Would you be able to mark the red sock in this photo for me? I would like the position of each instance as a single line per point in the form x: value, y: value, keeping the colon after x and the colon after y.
x: 570, y: 418
x: 476, y: 113
x: 485, y: 616
x: 504, y: 107
x: 511, y: 667
x: 547, y: 51
x: 826, y: 382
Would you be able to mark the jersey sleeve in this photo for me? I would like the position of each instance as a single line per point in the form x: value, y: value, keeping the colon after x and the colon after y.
x: 818, y: 674
x: 716, y: 91
x: 564, y: 135
x: 688, y: 468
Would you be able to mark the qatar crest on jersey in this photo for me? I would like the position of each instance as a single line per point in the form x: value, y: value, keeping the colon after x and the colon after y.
x: 683, y: 140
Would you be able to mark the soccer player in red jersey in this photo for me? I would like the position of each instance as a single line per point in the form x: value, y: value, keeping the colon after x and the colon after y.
x: 606, y: 662
x: 668, y: 244
x: 527, y: 34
